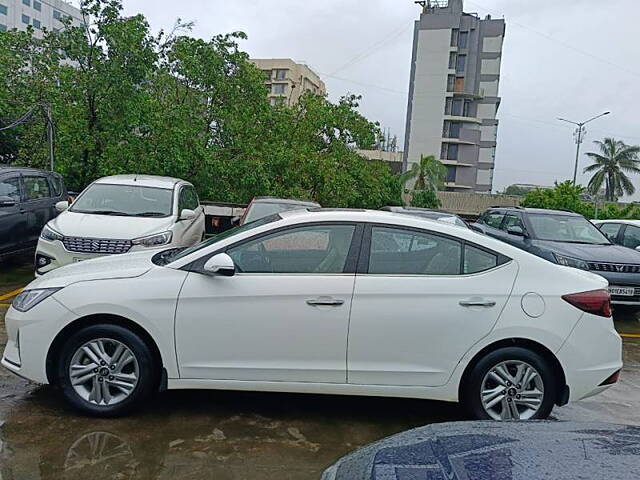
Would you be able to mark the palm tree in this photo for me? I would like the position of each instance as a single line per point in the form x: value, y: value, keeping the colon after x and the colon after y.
x: 611, y: 165
x: 429, y: 174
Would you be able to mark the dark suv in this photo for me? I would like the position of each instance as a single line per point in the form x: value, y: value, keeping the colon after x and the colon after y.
x: 28, y: 200
x: 568, y: 239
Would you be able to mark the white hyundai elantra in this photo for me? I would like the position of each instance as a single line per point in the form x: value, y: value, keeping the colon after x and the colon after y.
x: 340, y: 302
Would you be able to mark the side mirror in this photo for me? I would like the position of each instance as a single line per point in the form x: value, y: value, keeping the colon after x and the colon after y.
x: 187, y: 214
x: 638, y: 248
x: 6, y: 201
x: 515, y: 230
x: 220, y: 264
x: 62, y: 206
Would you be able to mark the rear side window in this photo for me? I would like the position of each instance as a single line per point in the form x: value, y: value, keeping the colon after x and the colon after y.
x: 9, y: 187
x: 56, y: 186
x: 398, y: 251
x: 478, y: 260
x: 36, y: 188
x: 493, y: 219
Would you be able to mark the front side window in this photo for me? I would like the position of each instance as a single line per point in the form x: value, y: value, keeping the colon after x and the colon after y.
x: 124, y: 200
x: 9, y: 187
x: 318, y: 249
x: 511, y: 220
x: 566, y: 228
x: 493, y: 219
x: 188, y: 199
x: 631, y: 237
x: 395, y: 251
x: 36, y: 188
x: 610, y: 230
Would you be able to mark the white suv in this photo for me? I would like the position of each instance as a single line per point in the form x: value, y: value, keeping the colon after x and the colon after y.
x: 120, y: 214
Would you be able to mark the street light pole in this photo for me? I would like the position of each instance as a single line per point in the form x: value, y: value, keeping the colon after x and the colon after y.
x: 579, y: 137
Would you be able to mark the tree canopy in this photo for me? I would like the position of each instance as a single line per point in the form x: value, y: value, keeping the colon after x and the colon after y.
x: 611, y: 166
x: 124, y: 100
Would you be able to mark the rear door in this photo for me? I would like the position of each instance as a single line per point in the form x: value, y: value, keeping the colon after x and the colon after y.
x: 12, y: 221
x: 420, y: 302
x: 37, y: 206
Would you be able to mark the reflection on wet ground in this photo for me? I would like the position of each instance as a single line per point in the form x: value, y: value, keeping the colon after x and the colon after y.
x: 235, y: 435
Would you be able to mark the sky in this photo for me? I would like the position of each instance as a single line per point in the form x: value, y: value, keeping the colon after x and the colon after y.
x: 562, y: 58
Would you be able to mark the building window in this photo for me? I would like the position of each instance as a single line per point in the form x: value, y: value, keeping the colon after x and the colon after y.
x: 452, y: 60
x: 3, y: 28
x: 57, y: 15
x: 461, y: 63
x: 447, y: 105
x: 36, y: 24
x: 25, y: 19
x: 451, y: 83
x: 451, y: 129
x: 281, y: 74
x: 463, y: 40
x: 267, y: 74
x: 451, y: 174
x: 449, y: 151
x: 466, y: 108
x: 459, y: 86
x: 27, y: 2
x: 3, y: 9
x: 457, y: 107
x: 454, y: 37
x: 278, y: 88
x: 37, y: 5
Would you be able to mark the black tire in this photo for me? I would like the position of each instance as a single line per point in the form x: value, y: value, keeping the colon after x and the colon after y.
x: 148, y: 371
x: 470, y: 393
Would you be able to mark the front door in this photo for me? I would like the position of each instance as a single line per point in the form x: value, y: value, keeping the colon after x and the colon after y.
x: 423, y: 300
x: 12, y: 221
x: 282, y: 317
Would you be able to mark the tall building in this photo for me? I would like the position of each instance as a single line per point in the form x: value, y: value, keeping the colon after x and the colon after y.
x: 453, y: 93
x: 40, y: 14
x: 287, y: 80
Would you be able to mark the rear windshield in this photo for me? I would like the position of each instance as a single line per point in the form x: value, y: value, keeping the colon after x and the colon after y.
x: 566, y: 228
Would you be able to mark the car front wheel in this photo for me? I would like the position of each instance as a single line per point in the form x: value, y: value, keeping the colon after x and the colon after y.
x: 106, y: 370
x: 510, y: 383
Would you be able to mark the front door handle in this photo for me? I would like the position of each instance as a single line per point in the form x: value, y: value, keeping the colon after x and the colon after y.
x: 477, y: 303
x: 335, y: 302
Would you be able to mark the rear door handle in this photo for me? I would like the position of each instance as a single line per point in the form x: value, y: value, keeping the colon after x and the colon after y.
x: 477, y: 303
x: 335, y: 302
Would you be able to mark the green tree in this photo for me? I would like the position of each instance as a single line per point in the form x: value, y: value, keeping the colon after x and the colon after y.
x: 564, y: 196
x: 517, y: 190
x: 429, y: 174
x: 611, y: 164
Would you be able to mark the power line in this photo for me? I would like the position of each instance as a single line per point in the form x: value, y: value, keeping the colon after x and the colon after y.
x: 370, y: 85
x: 20, y: 120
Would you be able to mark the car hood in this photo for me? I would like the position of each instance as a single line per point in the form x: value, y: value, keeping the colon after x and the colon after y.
x: 127, y: 265
x: 592, y: 253
x: 72, y: 224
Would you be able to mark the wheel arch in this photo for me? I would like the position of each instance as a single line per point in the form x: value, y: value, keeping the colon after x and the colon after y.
x: 97, y: 319
x: 544, y: 352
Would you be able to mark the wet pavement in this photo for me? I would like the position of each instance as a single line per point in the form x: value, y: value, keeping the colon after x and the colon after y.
x: 232, y: 435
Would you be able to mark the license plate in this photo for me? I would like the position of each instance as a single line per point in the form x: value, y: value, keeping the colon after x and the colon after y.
x: 624, y: 291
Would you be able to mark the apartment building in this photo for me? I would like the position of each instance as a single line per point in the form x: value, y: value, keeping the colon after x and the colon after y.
x: 287, y: 80
x: 453, y: 93
x: 40, y: 14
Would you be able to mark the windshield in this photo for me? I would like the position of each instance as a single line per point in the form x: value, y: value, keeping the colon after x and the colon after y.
x: 178, y: 254
x: 125, y: 200
x: 263, y: 209
x: 565, y: 228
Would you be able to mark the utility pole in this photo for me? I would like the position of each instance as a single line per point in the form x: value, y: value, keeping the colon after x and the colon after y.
x: 579, y: 134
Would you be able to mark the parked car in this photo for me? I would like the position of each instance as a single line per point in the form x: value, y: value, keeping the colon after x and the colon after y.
x: 428, y: 213
x: 568, y: 239
x: 621, y: 232
x: 261, y: 207
x: 435, y: 311
x: 120, y: 214
x: 27, y: 202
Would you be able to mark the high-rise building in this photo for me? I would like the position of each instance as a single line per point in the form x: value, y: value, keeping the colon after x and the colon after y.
x: 287, y: 80
x: 40, y: 14
x: 453, y: 93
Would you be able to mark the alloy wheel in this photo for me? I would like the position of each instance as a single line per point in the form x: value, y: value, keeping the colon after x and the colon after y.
x: 104, y: 371
x: 512, y: 390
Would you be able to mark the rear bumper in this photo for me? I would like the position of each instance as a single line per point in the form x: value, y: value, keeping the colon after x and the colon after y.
x: 590, y: 355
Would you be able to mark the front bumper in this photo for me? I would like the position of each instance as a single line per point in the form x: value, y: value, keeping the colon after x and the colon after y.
x: 590, y: 355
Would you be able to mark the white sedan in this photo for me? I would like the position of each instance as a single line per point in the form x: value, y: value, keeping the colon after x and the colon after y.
x: 329, y: 301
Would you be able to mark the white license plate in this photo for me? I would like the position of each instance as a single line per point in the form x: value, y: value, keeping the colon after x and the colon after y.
x: 624, y: 291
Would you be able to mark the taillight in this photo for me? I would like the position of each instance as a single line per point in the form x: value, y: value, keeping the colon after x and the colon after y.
x: 597, y: 302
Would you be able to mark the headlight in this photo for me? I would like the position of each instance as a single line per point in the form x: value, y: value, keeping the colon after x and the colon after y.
x: 153, y: 240
x: 50, y: 234
x: 571, y: 262
x: 28, y: 299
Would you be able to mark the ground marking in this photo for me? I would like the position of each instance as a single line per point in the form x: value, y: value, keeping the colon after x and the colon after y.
x: 15, y: 292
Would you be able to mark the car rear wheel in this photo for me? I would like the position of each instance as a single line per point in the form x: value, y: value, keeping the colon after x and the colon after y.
x: 510, y: 383
x: 106, y: 370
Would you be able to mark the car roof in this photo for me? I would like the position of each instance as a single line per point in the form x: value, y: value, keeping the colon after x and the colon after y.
x: 141, y: 180
x: 11, y: 168
x: 624, y: 221
x: 291, y: 201
x: 417, y: 210
x: 543, y: 211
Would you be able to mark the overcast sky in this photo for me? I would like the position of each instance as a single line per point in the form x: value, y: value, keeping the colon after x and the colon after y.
x: 570, y: 58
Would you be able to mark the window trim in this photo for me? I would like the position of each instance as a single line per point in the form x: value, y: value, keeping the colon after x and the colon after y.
x: 365, y: 252
x: 350, y: 265
x: 18, y: 177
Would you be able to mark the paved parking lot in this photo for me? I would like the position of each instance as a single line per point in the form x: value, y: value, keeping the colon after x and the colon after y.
x: 231, y: 435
